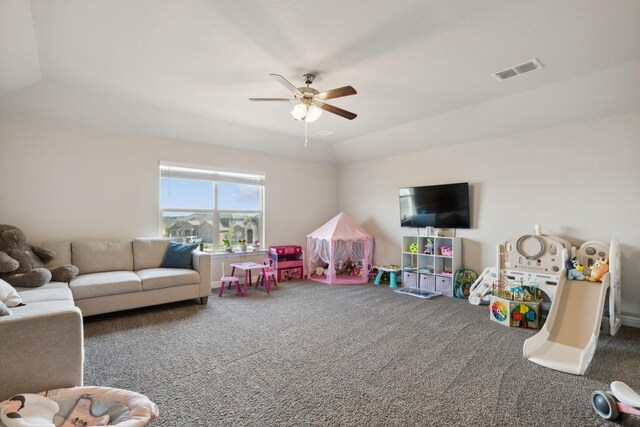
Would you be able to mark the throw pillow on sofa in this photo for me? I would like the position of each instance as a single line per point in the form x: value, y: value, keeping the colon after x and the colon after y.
x: 178, y: 255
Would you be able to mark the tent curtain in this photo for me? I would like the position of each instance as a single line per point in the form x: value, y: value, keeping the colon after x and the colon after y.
x: 319, y: 249
x: 343, y: 250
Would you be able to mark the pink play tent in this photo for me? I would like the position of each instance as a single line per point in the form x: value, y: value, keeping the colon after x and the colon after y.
x: 343, y: 245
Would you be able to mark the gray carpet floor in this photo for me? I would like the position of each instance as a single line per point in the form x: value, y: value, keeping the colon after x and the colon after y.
x: 314, y: 355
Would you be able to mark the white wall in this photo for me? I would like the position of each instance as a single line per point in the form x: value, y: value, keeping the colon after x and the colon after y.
x: 580, y: 182
x: 60, y: 183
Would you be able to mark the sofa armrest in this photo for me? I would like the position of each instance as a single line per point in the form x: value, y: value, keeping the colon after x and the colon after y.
x: 41, y: 351
x: 202, y: 264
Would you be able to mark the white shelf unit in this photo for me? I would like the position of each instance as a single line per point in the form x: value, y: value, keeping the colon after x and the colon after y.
x: 433, y: 272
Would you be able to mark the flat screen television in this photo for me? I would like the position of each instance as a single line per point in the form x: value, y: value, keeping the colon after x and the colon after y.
x: 438, y: 206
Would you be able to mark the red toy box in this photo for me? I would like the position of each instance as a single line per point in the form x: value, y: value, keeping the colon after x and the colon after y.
x: 288, y: 262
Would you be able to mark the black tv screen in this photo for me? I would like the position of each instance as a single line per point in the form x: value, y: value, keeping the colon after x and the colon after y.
x: 438, y: 206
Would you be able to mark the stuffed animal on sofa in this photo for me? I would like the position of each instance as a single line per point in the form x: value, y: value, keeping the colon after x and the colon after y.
x: 22, y: 264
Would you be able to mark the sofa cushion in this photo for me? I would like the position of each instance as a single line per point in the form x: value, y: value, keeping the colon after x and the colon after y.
x: 100, y: 284
x: 62, y: 251
x: 41, y: 307
x: 96, y: 256
x: 158, y: 278
x: 179, y: 255
x: 149, y: 252
x: 52, y: 291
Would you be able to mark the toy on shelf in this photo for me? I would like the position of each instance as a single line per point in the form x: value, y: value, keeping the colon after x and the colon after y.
x: 574, y: 269
x: 413, y: 247
x: 446, y: 251
x: 428, y: 247
x: 622, y: 399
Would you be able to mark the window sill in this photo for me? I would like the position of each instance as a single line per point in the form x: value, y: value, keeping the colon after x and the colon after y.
x: 237, y: 254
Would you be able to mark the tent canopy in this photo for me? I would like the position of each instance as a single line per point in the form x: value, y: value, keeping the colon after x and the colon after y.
x: 341, y: 227
x: 337, y: 244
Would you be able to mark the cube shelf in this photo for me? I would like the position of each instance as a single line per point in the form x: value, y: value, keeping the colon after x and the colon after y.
x: 435, y: 261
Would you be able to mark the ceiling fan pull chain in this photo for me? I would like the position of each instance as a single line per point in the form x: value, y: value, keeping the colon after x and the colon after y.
x: 305, y: 133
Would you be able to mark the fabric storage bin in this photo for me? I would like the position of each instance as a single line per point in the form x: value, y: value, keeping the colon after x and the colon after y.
x: 292, y: 273
x: 444, y: 285
x: 427, y: 282
x: 410, y: 279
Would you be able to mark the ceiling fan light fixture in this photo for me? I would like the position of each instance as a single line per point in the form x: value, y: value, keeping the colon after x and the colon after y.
x: 313, y: 113
x: 307, y: 113
x: 299, y: 112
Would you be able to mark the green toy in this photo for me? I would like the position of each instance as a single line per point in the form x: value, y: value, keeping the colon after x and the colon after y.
x: 463, y: 281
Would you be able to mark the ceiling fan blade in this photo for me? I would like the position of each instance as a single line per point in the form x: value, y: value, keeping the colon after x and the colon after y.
x: 336, y: 93
x: 272, y: 99
x: 335, y: 110
x: 286, y: 83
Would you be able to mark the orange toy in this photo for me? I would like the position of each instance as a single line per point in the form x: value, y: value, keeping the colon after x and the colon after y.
x: 598, y: 270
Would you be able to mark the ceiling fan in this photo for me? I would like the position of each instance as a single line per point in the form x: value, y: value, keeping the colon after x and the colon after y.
x: 310, y: 102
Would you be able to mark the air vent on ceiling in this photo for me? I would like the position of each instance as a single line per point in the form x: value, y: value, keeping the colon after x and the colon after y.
x: 534, y: 64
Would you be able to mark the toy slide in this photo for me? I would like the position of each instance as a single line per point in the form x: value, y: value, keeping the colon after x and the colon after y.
x: 569, y: 338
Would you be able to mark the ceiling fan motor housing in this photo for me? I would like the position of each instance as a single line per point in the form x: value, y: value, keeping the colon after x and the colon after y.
x: 308, y: 78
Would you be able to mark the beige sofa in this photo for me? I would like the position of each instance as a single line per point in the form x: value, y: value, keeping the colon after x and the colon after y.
x: 43, y: 340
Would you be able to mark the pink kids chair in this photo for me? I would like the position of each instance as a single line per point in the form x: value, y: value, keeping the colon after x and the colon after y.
x: 270, y: 276
x: 228, y: 280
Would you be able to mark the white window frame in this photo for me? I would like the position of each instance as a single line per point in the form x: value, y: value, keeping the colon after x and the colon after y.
x: 184, y: 171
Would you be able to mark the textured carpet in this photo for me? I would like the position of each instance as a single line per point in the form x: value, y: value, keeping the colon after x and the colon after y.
x: 314, y: 355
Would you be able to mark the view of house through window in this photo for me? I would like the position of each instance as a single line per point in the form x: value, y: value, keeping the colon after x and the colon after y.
x: 210, y: 207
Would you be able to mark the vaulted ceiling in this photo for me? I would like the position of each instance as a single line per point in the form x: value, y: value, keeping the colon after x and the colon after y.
x: 185, y: 70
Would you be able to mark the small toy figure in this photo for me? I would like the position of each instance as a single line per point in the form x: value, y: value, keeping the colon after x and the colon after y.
x: 517, y: 293
x: 574, y: 269
x: 598, y: 270
x: 413, y: 247
x: 428, y: 247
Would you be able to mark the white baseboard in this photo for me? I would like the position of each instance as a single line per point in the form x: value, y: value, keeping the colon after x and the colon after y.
x: 634, y: 322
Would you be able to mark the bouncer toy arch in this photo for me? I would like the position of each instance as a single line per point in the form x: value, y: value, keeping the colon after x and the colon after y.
x: 530, y: 258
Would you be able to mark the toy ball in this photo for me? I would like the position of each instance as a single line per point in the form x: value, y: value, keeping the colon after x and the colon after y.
x: 413, y: 247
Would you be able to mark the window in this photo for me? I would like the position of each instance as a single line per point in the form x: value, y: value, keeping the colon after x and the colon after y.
x: 206, y: 206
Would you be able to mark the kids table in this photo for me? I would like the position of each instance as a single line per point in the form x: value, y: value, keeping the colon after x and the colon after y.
x: 393, y: 280
x: 247, y: 267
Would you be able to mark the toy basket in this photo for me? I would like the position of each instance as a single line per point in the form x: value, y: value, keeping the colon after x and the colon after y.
x: 427, y: 282
x: 410, y: 279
